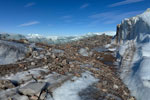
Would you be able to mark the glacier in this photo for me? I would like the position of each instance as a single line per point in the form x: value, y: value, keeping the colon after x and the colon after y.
x: 133, y: 40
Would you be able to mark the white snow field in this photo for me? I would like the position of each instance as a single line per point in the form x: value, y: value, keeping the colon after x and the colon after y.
x: 134, y: 54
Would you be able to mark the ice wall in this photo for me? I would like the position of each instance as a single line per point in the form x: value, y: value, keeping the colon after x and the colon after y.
x: 133, y: 39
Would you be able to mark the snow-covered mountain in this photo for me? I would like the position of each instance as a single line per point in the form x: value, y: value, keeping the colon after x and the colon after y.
x: 52, y: 39
x: 133, y: 38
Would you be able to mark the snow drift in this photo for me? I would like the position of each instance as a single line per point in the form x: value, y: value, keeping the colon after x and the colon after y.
x: 133, y: 39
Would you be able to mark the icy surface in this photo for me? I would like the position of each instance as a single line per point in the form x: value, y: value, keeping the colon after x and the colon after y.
x: 134, y: 54
x: 25, y: 75
x: 10, y: 52
x: 70, y: 89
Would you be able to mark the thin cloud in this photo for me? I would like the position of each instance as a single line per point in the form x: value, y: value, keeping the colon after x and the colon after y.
x: 124, y: 2
x: 112, y: 17
x: 29, y: 23
x: 84, y: 6
x: 30, y: 4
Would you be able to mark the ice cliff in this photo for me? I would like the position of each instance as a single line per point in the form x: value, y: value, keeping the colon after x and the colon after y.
x: 133, y: 39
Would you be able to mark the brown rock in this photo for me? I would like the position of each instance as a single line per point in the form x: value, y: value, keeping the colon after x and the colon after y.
x: 104, y: 90
x: 6, y: 84
x: 64, y: 62
x: 34, y: 98
x: 33, y: 63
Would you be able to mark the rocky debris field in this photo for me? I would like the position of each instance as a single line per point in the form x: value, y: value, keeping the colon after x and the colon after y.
x: 81, y: 70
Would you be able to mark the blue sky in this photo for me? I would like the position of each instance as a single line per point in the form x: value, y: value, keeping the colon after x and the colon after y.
x: 66, y: 17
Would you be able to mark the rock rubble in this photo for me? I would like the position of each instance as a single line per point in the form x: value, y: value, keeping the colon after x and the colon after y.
x: 50, y: 66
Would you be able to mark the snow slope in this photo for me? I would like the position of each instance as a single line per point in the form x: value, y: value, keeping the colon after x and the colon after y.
x: 134, y: 54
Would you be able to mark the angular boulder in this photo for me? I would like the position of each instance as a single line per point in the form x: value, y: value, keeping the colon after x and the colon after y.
x: 32, y: 88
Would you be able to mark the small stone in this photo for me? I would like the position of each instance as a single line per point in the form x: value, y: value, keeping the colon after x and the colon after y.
x: 77, y: 75
x: 115, y: 86
x: 132, y: 98
x: 104, y: 82
x: 25, y: 68
x: 70, y: 70
x: 125, y: 93
x: 57, y: 59
x: 104, y: 90
x: 6, y: 84
x: 50, y: 49
x: 45, y: 58
x: 24, y: 41
x: 99, y: 85
x: 43, y: 95
x: 48, y: 54
x: 33, y: 63
x: 64, y: 62
x: 33, y: 98
x: 46, y: 67
x: 21, y: 65
x: 35, y: 53
x: 10, y: 99
x: 83, y: 52
x: 71, y: 66
x: 96, y: 75
x: 53, y: 56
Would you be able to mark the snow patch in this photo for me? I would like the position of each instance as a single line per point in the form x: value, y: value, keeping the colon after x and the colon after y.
x: 70, y: 89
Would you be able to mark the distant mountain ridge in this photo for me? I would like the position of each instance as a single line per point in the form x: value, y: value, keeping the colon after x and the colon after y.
x: 51, y: 39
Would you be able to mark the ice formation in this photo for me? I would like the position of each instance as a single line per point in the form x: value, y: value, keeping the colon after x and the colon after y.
x: 10, y: 52
x: 133, y: 37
